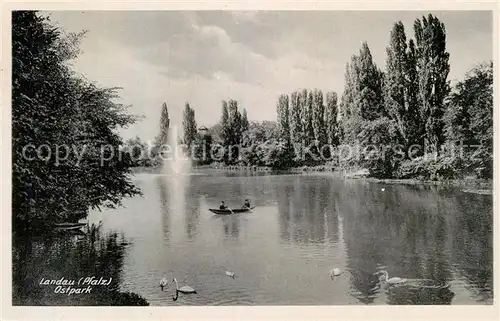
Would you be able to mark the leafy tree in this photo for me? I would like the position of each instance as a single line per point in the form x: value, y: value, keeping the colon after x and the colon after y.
x: 469, y: 117
x: 253, y: 155
x: 216, y: 132
x: 379, y: 155
x: 254, y: 140
x: 433, y: 69
x: 276, y: 155
x: 52, y: 106
x: 263, y: 131
x: 203, y: 149
x: 482, y: 108
x: 137, y: 150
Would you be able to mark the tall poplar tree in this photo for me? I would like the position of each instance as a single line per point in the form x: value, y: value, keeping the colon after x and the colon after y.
x: 189, y: 126
x: 304, y: 116
x: 346, y: 99
x: 308, y: 119
x: 244, y: 121
x: 415, y: 130
x: 283, y: 118
x: 362, y: 99
x: 309, y: 137
x: 225, y: 132
x: 395, y: 84
x: 351, y: 89
x: 433, y: 69
x: 346, y: 102
x: 164, y: 125
x: 331, y: 124
x: 319, y: 118
x: 295, y: 120
x: 235, y: 133
x: 285, y: 154
x: 369, y: 93
x: 234, y: 121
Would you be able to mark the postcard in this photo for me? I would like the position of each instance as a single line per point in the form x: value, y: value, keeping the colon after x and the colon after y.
x: 249, y: 158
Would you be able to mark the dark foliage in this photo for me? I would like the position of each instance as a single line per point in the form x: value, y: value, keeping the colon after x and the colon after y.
x: 75, y: 120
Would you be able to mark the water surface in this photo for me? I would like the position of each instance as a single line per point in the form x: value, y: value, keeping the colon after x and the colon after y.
x: 302, y: 227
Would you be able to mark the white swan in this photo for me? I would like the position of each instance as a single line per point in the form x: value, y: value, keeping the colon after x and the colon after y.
x: 382, y: 189
x: 334, y: 272
x: 184, y: 289
x: 230, y: 274
x: 385, y: 277
x: 163, y: 283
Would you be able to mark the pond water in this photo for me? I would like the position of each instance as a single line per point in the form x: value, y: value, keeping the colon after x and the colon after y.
x: 302, y: 227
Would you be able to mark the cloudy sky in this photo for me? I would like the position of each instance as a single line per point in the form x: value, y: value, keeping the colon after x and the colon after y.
x: 204, y: 57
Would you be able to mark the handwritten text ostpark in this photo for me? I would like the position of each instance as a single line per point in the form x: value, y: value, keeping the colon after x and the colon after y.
x: 83, y: 285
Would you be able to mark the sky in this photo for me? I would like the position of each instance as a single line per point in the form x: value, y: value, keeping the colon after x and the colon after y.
x: 204, y: 57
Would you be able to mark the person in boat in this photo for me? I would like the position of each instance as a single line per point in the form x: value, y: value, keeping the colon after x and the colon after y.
x: 222, y: 206
x: 246, y: 204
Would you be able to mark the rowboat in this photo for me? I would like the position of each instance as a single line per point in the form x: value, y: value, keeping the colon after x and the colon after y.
x: 230, y: 211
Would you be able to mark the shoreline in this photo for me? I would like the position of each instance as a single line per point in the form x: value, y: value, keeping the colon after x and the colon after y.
x: 476, y: 186
x: 472, y: 185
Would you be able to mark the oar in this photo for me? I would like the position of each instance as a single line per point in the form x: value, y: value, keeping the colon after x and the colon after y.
x: 230, y: 210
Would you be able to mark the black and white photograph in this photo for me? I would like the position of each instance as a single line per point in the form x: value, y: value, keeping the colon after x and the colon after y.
x: 251, y: 158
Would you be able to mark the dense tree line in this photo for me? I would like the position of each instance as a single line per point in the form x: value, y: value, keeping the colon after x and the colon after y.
x: 405, y: 107
x: 307, y: 122
x: 396, y: 122
x: 65, y: 150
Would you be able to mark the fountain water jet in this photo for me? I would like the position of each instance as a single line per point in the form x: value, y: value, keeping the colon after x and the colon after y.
x: 177, y: 163
x: 176, y: 168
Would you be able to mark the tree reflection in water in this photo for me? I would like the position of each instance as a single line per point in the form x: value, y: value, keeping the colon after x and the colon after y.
x: 165, y: 211
x: 70, y: 256
x: 409, y: 238
x: 307, y: 213
x: 398, y: 295
x: 231, y: 226
x: 473, y: 246
x: 192, y: 215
